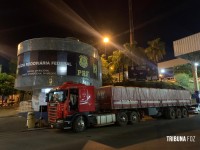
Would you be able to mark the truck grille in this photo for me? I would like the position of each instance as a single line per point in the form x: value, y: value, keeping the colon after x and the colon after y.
x: 52, y: 113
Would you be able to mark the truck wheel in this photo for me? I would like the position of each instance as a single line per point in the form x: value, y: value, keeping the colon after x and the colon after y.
x: 171, y: 113
x: 133, y: 117
x: 122, y: 119
x: 79, y: 124
x: 184, y: 113
x: 178, y: 113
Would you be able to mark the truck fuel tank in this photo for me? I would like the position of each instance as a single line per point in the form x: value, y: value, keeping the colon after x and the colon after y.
x: 103, y: 119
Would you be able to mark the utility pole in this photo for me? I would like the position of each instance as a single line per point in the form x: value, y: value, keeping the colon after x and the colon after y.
x: 131, y: 31
x: 131, y: 22
x: 196, y: 83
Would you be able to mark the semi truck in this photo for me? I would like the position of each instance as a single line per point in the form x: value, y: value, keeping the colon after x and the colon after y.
x: 77, y: 106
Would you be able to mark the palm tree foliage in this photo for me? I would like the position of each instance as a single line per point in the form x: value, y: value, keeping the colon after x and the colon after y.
x: 155, y: 50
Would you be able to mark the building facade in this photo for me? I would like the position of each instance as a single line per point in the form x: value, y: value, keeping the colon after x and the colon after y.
x: 48, y: 62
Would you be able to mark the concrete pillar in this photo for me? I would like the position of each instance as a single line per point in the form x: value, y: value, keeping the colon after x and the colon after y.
x: 38, y: 99
x: 35, y: 99
x: 194, y: 72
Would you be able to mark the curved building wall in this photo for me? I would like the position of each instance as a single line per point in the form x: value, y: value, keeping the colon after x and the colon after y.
x: 48, y: 62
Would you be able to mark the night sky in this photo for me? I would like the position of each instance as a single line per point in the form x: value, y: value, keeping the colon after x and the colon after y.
x: 88, y: 20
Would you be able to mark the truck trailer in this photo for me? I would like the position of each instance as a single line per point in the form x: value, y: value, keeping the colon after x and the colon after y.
x: 77, y: 106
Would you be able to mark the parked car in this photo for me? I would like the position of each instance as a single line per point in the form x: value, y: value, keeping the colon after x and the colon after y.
x: 194, y: 109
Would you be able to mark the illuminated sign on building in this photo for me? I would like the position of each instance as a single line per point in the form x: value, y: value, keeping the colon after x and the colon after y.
x: 56, y: 63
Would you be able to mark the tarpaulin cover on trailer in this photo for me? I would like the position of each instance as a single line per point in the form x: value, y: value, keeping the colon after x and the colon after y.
x: 118, y: 97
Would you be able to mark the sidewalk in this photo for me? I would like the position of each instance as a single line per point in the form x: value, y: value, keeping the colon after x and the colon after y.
x: 10, y: 121
x: 8, y: 112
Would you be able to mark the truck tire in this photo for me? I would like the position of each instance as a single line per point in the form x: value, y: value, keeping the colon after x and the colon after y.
x: 133, y: 117
x: 171, y: 113
x: 79, y: 124
x: 122, y: 118
x: 184, y: 113
x: 178, y: 113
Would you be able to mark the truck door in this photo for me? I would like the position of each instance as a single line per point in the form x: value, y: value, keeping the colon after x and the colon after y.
x: 73, y: 99
x: 83, y: 104
x: 86, y: 99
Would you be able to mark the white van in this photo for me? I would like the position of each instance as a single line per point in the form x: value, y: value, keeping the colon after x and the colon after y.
x: 194, y: 109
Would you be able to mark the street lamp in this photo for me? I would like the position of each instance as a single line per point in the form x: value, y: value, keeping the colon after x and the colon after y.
x: 162, y: 71
x: 105, y: 40
x: 162, y: 74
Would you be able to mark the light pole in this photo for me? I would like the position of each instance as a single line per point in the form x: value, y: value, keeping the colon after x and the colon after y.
x: 105, y: 40
x: 196, y: 84
x: 131, y: 22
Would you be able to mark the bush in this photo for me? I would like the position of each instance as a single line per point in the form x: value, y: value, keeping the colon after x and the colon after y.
x: 182, y: 79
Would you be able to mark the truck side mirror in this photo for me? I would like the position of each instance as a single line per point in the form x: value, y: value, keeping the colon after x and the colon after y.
x: 47, y: 98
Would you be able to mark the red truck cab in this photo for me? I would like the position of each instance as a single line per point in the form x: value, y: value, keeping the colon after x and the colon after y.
x: 70, y: 102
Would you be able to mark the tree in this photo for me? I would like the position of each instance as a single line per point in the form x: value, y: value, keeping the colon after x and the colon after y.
x: 155, y: 50
x: 6, y: 85
x: 104, y: 64
x: 117, y: 61
x: 106, y: 76
x: 186, y: 68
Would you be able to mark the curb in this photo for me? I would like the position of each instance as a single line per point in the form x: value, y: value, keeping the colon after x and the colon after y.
x: 34, y: 129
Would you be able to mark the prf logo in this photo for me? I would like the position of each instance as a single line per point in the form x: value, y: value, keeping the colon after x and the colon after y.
x: 83, y: 61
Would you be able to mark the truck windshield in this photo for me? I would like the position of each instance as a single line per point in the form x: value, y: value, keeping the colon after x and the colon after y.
x: 57, y: 96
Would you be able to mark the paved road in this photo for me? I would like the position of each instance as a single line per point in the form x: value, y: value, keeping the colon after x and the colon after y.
x: 142, y: 136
